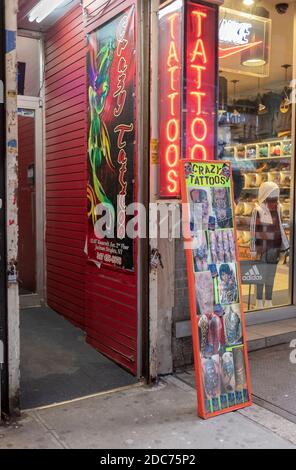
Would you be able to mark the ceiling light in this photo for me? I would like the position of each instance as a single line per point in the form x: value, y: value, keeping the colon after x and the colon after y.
x: 43, y: 9
x: 256, y: 62
x: 248, y: 3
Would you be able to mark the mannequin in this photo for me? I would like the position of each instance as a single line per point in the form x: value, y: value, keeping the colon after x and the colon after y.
x: 268, y: 238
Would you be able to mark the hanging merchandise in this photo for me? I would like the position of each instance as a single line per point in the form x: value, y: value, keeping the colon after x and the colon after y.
x: 216, y: 307
x: 203, y: 325
x: 233, y: 325
x: 262, y: 109
x: 200, y: 252
x: 283, y: 117
x: 235, y: 117
x: 240, y: 371
x: 286, y: 102
x: 228, y: 375
x: 204, y: 292
x: 215, y: 334
x: 212, y: 377
x: 222, y: 207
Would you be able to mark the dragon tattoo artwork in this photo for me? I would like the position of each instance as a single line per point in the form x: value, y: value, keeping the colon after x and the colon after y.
x: 99, y: 147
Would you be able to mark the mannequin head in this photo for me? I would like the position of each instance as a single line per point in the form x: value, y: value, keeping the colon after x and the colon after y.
x: 268, y: 192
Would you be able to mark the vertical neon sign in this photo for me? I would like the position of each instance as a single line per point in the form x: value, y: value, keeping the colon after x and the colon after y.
x: 170, y: 65
x: 200, y: 111
x: 193, y: 134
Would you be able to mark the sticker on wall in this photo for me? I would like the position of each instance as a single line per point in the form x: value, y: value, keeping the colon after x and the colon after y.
x: 10, y: 41
x: 216, y: 307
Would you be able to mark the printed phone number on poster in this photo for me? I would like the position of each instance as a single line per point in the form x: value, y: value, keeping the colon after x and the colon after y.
x: 116, y: 260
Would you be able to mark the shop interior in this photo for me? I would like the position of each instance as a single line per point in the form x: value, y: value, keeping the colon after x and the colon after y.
x: 57, y: 362
x: 256, y: 133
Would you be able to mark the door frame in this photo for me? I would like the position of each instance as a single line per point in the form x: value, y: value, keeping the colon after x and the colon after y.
x: 35, y: 104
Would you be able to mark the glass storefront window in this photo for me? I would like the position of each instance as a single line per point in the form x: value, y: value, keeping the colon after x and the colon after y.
x: 255, y: 133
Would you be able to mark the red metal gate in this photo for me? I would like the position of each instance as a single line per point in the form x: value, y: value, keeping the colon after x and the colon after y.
x: 111, y: 293
x: 101, y: 301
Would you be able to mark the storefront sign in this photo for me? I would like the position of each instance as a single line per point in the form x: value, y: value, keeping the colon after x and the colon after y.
x: 200, y: 82
x: 216, y: 307
x: 111, y: 140
x: 256, y: 273
x: 244, y: 43
x: 234, y: 32
x: 187, y: 88
x: 170, y: 69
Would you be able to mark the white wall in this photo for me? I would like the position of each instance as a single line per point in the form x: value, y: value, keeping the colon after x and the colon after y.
x: 28, y: 51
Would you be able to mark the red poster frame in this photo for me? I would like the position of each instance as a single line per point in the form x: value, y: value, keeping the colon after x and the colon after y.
x: 192, y: 303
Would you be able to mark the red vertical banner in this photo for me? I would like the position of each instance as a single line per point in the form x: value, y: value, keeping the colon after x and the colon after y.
x: 201, y: 58
x: 111, y: 69
x: 170, y: 69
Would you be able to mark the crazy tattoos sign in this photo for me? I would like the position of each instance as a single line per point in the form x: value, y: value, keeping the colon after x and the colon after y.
x: 187, y: 89
x: 216, y: 304
x: 111, y: 70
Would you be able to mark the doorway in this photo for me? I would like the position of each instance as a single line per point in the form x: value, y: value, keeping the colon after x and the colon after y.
x: 31, y: 202
x: 57, y: 364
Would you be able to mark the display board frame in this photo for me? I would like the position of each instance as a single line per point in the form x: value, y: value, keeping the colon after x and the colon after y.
x: 207, y: 406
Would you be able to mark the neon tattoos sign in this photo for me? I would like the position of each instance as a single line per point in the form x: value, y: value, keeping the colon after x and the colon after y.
x: 200, y: 80
x: 170, y: 101
x: 187, y: 83
x: 196, y: 68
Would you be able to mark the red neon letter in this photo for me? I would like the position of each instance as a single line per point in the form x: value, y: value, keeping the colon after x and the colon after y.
x: 199, y: 50
x: 199, y: 69
x: 199, y: 15
x: 172, y: 130
x: 172, y: 24
x: 173, y: 178
x: 199, y: 95
x: 172, y: 54
x: 172, y: 150
x: 201, y: 123
x: 172, y: 71
x: 172, y: 97
x: 202, y: 149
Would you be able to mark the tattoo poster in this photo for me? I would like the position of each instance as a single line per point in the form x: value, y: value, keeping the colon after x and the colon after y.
x: 111, y: 82
x: 216, y: 307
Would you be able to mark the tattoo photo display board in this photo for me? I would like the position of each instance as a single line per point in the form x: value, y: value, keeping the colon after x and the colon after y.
x: 216, y: 307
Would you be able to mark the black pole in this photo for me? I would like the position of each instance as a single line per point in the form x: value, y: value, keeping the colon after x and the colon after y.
x: 3, y: 268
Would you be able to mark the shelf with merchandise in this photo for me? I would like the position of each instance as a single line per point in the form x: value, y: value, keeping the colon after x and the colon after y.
x: 257, y: 188
x: 275, y: 149
x: 264, y: 159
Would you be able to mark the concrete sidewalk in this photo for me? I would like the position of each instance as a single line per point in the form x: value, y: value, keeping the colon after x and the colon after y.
x: 161, y: 417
